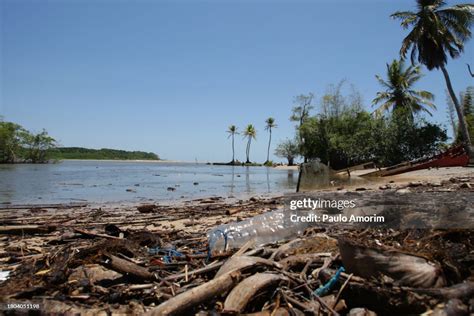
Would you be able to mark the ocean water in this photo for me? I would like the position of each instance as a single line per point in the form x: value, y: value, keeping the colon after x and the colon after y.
x: 108, y: 181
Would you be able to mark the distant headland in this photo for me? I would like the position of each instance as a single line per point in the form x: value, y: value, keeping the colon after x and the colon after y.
x: 100, y: 154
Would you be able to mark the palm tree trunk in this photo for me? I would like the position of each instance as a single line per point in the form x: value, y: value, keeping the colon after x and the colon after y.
x: 461, y: 118
x: 233, y: 152
x: 248, y: 150
x: 269, y: 142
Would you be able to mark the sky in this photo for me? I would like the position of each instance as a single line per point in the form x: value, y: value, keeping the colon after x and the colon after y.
x: 170, y: 76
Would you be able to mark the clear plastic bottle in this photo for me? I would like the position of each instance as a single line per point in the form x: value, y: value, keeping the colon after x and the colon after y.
x: 264, y: 228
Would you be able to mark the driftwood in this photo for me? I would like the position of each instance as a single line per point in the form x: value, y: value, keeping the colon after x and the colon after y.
x: 26, y: 229
x: 202, y: 293
x: 126, y: 267
x: 243, y: 293
x: 295, y: 260
x: 244, y: 262
x: 159, y: 262
x: 317, y: 244
x: 233, y: 211
x: 283, y: 249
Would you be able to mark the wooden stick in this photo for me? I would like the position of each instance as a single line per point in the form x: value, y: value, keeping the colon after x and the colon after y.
x: 179, y: 304
x: 126, y: 267
x: 342, y: 289
x: 209, y: 268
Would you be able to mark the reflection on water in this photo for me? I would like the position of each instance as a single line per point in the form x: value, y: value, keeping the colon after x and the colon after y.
x: 316, y: 175
x: 103, y: 181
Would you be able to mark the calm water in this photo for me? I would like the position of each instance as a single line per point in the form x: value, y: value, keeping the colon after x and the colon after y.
x: 105, y: 181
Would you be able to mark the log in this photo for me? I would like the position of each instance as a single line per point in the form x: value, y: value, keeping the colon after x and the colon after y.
x: 126, y: 267
x: 26, y: 229
x: 243, y: 293
x: 200, y: 294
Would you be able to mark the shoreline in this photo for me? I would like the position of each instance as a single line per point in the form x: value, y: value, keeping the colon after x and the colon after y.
x: 427, y: 175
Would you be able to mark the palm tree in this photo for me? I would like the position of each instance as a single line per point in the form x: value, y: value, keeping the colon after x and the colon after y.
x: 436, y: 32
x: 399, y: 93
x: 270, y: 124
x: 232, y: 130
x: 249, y: 133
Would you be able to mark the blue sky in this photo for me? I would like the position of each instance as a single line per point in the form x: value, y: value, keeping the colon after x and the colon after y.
x: 170, y: 76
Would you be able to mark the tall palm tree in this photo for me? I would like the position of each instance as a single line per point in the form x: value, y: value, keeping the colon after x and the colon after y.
x: 232, y: 130
x: 270, y: 124
x: 437, y: 31
x: 399, y: 93
x: 249, y: 133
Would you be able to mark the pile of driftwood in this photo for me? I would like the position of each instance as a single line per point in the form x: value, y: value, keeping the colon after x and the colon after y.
x: 156, y: 260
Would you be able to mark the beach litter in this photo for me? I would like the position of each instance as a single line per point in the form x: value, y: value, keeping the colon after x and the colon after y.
x: 4, y: 275
x: 116, y: 261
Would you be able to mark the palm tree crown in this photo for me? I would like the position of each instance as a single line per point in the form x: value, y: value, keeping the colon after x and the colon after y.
x: 437, y: 31
x: 270, y: 123
x: 249, y: 133
x: 232, y: 130
x: 399, y: 91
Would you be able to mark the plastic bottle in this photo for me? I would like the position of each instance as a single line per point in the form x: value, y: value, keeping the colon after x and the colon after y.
x: 264, y: 228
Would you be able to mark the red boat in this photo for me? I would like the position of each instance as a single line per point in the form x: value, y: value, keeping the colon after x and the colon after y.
x: 453, y: 157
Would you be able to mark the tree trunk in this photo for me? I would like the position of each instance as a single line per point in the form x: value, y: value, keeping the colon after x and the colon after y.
x: 233, y: 152
x: 269, y: 142
x: 290, y: 161
x: 462, y: 120
x: 248, y: 150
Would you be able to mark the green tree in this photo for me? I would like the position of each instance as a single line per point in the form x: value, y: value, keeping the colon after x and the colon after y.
x: 10, y: 141
x: 232, y: 130
x: 436, y: 32
x: 399, y: 92
x: 37, y: 146
x: 357, y: 137
x: 250, y: 133
x: 468, y: 109
x: 288, y: 149
x: 300, y: 113
x: 405, y: 140
x: 270, y: 123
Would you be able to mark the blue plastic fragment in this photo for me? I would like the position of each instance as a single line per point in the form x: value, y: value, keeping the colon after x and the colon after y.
x: 168, y: 253
x: 326, y: 288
